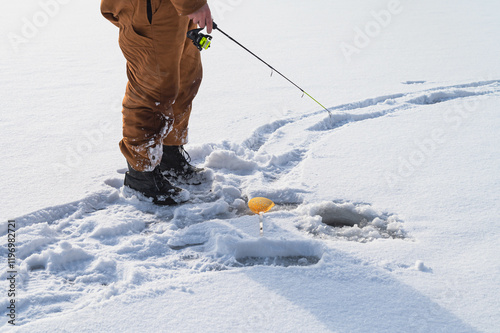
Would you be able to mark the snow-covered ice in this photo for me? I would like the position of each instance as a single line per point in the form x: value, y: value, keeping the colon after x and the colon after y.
x: 386, y: 211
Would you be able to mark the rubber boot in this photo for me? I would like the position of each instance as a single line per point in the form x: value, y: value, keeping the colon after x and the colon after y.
x: 153, y: 184
x: 176, y: 167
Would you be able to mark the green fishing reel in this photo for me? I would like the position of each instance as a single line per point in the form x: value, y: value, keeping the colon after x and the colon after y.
x: 201, y: 41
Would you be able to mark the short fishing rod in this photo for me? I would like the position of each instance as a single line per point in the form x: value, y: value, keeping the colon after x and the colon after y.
x: 203, y: 42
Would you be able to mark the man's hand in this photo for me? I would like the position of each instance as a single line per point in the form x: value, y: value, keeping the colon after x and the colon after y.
x: 203, y: 17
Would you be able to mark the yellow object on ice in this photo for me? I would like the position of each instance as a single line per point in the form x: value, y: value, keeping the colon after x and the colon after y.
x: 260, y: 205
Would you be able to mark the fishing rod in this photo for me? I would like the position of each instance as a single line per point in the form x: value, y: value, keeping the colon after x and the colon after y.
x: 203, y: 42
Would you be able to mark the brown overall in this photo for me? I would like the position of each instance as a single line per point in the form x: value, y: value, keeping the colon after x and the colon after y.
x: 164, y: 73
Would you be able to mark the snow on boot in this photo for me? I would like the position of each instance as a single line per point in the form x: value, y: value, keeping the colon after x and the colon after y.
x: 175, y: 166
x: 153, y: 184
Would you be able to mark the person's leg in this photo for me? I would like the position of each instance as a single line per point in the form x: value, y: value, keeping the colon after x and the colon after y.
x: 152, y: 43
x: 191, y: 74
x: 153, y: 51
x: 174, y: 163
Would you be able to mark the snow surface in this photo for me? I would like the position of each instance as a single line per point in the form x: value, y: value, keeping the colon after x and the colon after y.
x: 386, y: 216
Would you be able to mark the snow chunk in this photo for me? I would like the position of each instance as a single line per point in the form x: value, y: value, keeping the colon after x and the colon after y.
x: 114, y: 182
x: 101, y: 271
x: 34, y: 238
x: 116, y: 228
x: 239, y: 204
x: 420, y: 266
x: 264, y: 247
x: 190, y: 214
x: 231, y: 192
x: 225, y: 159
x: 66, y: 257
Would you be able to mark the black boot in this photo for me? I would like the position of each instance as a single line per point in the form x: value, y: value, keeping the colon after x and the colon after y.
x: 175, y: 166
x: 153, y: 184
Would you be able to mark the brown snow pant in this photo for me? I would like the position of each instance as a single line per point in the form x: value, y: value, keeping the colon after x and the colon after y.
x: 164, y: 73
